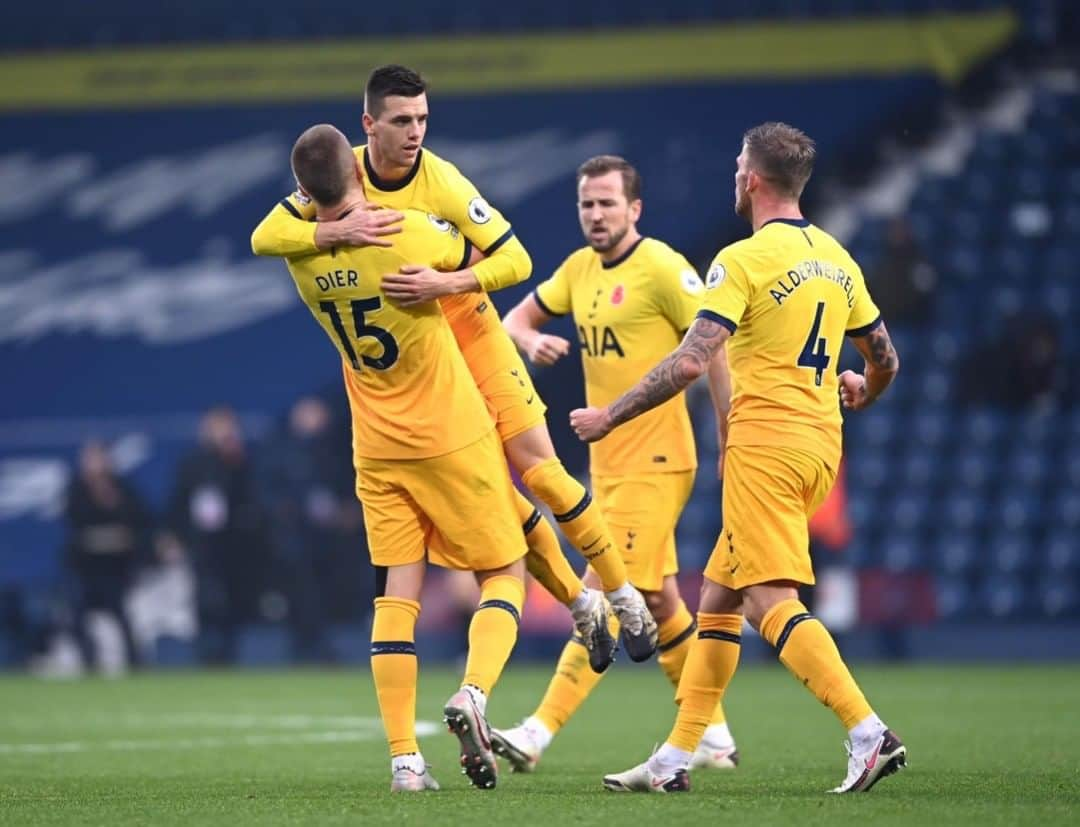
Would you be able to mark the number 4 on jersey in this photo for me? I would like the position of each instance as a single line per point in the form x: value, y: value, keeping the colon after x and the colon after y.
x: 813, y: 353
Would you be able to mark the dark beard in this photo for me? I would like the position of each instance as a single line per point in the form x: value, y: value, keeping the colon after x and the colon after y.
x: 613, y: 242
x: 743, y: 208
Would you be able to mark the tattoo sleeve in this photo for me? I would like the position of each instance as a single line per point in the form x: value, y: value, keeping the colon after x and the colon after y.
x: 681, y: 367
x: 882, y: 354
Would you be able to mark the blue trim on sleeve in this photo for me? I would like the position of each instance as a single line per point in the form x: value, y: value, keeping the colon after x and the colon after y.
x: 288, y: 205
x: 466, y: 256
x: 866, y: 328
x: 716, y: 317
x: 543, y: 306
x: 499, y: 242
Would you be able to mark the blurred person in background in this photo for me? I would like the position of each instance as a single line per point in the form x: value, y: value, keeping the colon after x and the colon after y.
x: 305, y: 480
x: 215, y: 516
x: 903, y: 282
x: 109, y: 535
x: 1029, y: 369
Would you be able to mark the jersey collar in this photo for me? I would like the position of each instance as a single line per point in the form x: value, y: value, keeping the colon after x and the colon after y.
x: 607, y: 265
x: 794, y: 222
x: 391, y: 186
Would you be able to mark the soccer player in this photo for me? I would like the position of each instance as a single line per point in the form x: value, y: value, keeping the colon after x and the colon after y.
x: 400, y: 174
x: 785, y: 296
x: 632, y: 298
x: 430, y: 471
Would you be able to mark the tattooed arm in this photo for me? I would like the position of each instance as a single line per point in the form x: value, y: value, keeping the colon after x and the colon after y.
x: 682, y: 366
x: 882, y: 363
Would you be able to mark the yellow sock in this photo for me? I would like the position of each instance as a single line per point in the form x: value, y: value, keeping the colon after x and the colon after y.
x: 579, y: 519
x: 570, y: 685
x: 710, y: 664
x: 393, y: 666
x: 545, y: 560
x: 675, y: 635
x: 493, y: 630
x: 806, y: 648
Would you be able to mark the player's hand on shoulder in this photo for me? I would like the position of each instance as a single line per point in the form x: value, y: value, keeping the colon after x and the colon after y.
x: 368, y: 227
x: 546, y: 349
x: 853, y: 390
x: 591, y: 424
x: 414, y: 284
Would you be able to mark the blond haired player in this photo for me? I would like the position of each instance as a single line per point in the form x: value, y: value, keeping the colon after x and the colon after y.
x: 400, y: 174
x: 430, y: 471
x: 782, y: 300
x: 631, y: 298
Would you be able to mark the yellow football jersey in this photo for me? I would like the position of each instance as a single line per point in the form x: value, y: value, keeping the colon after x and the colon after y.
x: 433, y: 186
x: 410, y: 391
x: 630, y: 313
x: 789, y: 294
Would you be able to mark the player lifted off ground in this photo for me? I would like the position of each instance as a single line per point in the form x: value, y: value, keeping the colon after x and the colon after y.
x: 632, y: 298
x: 399, y: 174
x: 430, y: 471
x: 786, y: 297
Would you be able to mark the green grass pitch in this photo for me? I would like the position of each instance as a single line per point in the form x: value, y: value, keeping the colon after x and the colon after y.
x: 987, y: 745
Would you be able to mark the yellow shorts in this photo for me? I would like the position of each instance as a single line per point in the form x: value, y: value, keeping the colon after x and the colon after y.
x: 457, y: 508
x: 642, y: 510
x: 512, y: 399
x: 769, y: 496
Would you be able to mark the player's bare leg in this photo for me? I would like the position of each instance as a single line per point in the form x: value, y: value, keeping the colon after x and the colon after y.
x: 532, y: 454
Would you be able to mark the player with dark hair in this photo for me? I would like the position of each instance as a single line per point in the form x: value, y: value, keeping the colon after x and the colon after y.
x: 400, y: 174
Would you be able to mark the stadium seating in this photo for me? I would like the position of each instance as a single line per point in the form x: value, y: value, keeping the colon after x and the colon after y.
x: 984, y: 498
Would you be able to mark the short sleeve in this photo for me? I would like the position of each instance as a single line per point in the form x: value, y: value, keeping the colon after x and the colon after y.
x: 553, y: 295
x: 864, y: 315
x: 679, y: 291
x: 727, y: 291
x: 461, y: 204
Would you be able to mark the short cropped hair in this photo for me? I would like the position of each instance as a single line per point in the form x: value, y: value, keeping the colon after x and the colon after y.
x: 388, y: 80
x: 323, y: 163
x: 782, y: 154
x: 603, y: 164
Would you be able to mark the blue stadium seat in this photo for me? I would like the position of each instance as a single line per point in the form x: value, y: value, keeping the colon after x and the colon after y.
x: 903, y: 552
x: 1011, y: 554
x: 921, y: 469
x: 1004, y: 597
x: 985, y: 427
x: 1065, y: 511
x: 908, y: 512
x: 1058, y: 597
x: 955, y: 598
x: 975, y: 467
x: 963, y: 512
x: 956, y: 554
x: 867, y: 470
x: 1018, y: 508
x: 1028, y: 465
x: 1061, y: 552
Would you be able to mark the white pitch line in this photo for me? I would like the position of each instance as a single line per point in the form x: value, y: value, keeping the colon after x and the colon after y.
x: 206, y: 742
